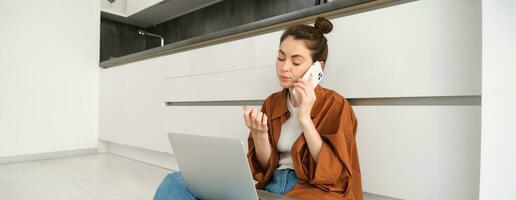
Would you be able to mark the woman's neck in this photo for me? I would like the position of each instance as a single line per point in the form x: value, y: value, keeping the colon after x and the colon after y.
x: 290, y: 98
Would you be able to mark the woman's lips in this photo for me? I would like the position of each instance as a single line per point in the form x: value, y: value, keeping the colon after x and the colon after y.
x: 284, y: 78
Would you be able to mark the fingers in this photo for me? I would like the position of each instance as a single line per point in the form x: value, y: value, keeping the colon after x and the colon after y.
x: 253, y: 115
x: 264, y: 121
x: 304, y: 89
x: 306, y: 85
x: 261, y: 121
x: 247, y: 117
x: 254, y: 119
x: 305, y: 82
x: 300, y: 95
x: 294, y: 96
x: 258, y: 120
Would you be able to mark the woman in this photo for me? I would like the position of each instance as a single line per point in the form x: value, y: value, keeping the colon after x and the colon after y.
x: 304, y: 146
x: 312, y: 155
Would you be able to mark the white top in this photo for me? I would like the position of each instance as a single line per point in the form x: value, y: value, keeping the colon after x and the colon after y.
x: 290, y: 131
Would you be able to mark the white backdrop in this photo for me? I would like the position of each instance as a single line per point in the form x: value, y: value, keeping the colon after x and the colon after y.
x: 498, y: 177
x: 49, y: 76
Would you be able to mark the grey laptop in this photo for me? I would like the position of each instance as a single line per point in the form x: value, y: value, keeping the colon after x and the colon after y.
x: 216, y: 168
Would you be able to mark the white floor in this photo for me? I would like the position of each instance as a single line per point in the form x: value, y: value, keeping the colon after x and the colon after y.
x: 95, y: 177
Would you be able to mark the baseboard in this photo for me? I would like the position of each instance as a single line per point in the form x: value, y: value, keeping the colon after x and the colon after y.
x: 156, y: 158
x: 46, y: 156
x: 371, y: 196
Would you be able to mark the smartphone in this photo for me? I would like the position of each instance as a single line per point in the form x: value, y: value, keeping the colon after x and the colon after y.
x: 315, y: 70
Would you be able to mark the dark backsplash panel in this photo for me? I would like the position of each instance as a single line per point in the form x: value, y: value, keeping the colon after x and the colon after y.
x: 223, y: 15
x: 119, y: 39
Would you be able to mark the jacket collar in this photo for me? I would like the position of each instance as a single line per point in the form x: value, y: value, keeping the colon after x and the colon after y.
x: 280, y: 103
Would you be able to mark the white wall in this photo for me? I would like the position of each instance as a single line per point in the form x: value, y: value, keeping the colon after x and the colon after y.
x: 49, y: 76
x: 426, y: 48
x: 498, y: 161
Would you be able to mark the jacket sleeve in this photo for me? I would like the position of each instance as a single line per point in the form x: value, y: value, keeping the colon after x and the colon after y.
x: 262, y: 175
x: 337, y: 130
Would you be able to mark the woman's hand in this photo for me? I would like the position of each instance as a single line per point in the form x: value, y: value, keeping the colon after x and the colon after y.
x: 304, y: 98
x: 256, y: 121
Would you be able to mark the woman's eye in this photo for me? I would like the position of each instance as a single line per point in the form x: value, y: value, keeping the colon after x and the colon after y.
x: 297, y: 64
x: 280, y: 59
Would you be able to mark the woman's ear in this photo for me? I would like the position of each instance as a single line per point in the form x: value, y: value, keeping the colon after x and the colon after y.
x: 322, y: 64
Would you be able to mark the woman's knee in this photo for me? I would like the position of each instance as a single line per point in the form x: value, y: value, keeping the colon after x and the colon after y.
x: 173, y: 178
x: 176, y: 174
x: 172, y: 187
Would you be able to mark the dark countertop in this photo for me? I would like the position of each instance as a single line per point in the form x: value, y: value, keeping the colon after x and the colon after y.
x: 329, y: 10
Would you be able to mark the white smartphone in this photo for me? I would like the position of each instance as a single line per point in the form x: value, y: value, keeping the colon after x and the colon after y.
x: 315, y: 70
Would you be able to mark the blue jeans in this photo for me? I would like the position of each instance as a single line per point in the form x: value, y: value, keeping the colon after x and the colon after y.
x: 173, y: 187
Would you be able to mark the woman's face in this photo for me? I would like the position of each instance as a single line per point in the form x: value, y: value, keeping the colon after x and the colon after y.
x: 292, y: 62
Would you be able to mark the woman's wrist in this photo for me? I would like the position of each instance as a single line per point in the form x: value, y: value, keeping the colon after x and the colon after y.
x: 304, y: 121
x: 260, y: 136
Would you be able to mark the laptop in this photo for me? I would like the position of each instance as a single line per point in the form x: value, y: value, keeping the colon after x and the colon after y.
x: 216, y: 168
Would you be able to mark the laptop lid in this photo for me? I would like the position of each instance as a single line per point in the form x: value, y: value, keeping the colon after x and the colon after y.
x: 213, y: 167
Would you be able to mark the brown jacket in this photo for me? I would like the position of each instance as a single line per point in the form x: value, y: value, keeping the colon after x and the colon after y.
x: 336, y: 174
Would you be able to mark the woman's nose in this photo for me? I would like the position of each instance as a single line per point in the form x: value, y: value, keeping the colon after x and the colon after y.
x: 285, y: 68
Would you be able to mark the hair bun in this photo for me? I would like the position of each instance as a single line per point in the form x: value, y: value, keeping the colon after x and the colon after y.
x: 323, y: 24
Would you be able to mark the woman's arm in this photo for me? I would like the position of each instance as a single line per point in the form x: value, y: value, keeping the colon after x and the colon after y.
x: 306, y: 99
x: 312, y: 137
x: 262, y: 158
x: 256, y: 121
x: 263, y: 148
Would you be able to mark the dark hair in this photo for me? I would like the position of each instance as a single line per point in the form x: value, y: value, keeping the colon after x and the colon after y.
x: 313, y: 36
